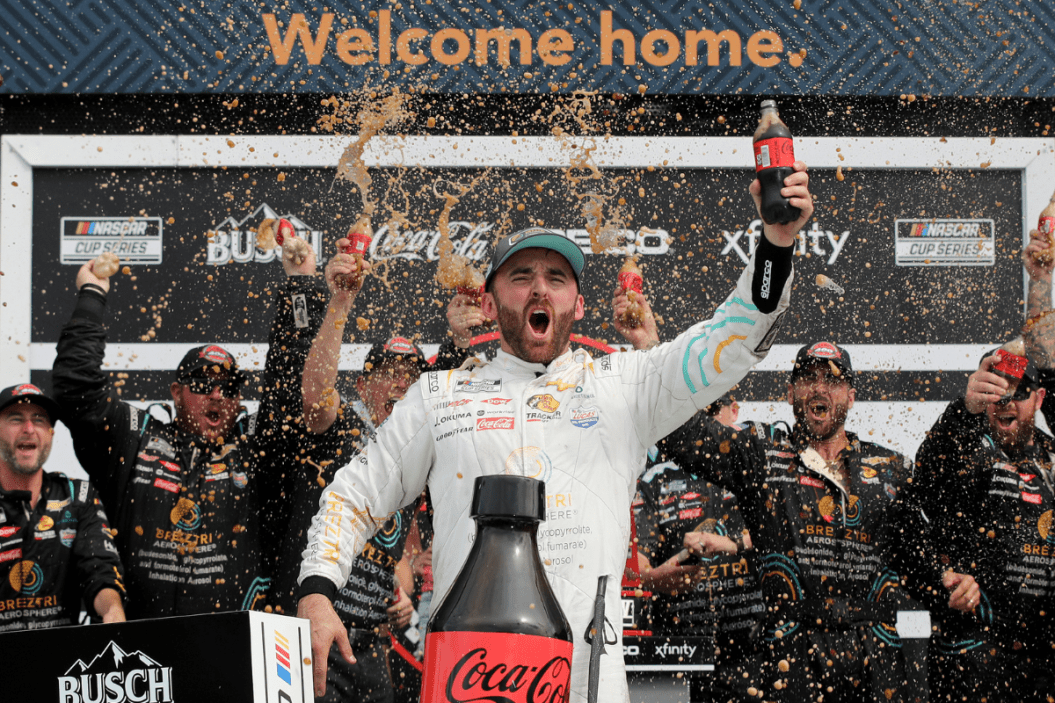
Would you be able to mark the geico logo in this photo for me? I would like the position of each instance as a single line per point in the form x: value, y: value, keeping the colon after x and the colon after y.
x: 631, y: 650
x: 136, y: 686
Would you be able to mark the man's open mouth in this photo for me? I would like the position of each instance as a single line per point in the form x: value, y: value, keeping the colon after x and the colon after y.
x: 1005, y: 422
x: 212, y: 416
x: 26, y: 446
x: 818, y: 409
x: 539, y: 321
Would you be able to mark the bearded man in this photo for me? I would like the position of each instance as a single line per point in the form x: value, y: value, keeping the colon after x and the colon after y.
x: 984, y: 481
x: 823, y: 510
x: 542, y: 409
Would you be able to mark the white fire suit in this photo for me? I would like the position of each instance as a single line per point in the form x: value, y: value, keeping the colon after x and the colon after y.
x: 582, y: 425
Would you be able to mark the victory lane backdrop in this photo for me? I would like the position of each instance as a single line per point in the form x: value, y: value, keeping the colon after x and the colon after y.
x: 692, y: 227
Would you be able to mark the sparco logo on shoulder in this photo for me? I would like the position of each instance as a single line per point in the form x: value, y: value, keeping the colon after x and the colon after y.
x: 116, y: 676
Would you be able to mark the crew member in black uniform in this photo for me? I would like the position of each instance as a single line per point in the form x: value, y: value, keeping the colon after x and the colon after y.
x: 55, y: 544
x: 822, y: 508
x: 194, y: 526
x: 376, y: 596
x: 984, y: 479
x: 714, y: 595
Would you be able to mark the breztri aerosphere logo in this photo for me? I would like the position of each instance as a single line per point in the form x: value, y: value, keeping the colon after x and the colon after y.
x: 116, y: 676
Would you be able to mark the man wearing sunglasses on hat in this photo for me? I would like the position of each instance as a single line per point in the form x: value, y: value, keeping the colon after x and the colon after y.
x: 195, y: 522
x: 984, y: 481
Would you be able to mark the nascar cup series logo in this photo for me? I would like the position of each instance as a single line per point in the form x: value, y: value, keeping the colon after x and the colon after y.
x: 116, y: 676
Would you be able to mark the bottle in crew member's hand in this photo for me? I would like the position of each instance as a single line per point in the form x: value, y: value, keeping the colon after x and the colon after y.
x: 359, y: 238
x: 633, y: 283
x: 774, y: 160
x: 1046, y: 227
x: 106, y: 264
x: 500, y: 633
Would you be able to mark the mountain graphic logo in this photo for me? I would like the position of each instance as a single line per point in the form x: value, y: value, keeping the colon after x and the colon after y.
x: 117, y: 676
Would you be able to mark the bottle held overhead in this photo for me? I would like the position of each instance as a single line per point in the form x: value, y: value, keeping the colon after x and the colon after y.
x: 774, y: 161
x: 359, y: 238
x: 106, y: 264
x: 1046, y: 227
x: 632, y: 282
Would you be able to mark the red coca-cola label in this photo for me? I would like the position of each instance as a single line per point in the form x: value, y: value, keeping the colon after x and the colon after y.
x: 490, y: 667
x: 474, y: 294
x: 358, y: 243
x: 495, y: 423
x: 1046, y: 225
x: 1031, y: 498
x: 1011, y: 364
x: 774, y: 153
x: 631, y: 281
x: 284, y: 229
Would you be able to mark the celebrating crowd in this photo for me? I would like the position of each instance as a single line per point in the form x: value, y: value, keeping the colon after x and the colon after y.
x: 792, y: 549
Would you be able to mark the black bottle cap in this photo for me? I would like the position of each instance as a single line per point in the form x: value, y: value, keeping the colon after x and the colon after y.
x: 509, y: 496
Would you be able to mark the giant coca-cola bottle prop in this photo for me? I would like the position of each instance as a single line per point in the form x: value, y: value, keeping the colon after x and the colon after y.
x: 499, y: 634
x: 774, y: 160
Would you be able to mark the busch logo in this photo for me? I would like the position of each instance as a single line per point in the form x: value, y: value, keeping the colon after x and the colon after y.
x: 474, y: 678
x: 235, y: 240
x: 115, y: 676
x: 494, y: 423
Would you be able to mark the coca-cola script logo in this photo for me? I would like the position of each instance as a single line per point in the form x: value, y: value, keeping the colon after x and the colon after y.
x: 494, y: 423
x: 476, y: 679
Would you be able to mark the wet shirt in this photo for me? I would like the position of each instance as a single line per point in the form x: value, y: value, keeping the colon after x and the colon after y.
x: 580, y: 424
x: 725, y: 596
x: 991, y: 517
x: 191, y: 515
x: 815, y: 539
x: 54, y: 556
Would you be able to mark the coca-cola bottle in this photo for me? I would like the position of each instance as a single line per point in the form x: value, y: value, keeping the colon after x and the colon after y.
x: 1046, y: 227
x: 499, y: 634
x: 633, y: 283
x: 359, y: 238
x: 774, y: 160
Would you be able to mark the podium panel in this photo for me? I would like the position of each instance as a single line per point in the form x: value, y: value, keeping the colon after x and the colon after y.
x: 240, y: 657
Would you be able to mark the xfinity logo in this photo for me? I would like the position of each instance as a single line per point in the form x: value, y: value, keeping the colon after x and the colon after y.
x: 681, y: 650
x: 235, y: 240
x: 115, y: 676
x: 814, y: 240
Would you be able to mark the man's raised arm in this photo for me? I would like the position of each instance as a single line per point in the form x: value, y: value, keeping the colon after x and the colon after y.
x: 666, y: 385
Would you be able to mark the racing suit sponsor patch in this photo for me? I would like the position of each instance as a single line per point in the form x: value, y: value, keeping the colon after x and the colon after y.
x: 166, y: 485
x: 479, y: 385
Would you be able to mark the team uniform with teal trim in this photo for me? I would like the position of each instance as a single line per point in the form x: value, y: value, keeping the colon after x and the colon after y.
x: 723, y: 604
x: 189, y: 513
x: 582, y: 425
x: 53, y: 556
x: 991, y: 517
x: 824, y: 558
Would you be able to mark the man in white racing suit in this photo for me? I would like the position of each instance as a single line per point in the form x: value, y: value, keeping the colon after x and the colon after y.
x: 580, y: 424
